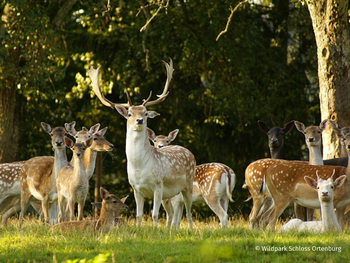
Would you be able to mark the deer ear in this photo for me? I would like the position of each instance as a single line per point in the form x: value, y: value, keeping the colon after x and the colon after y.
x: 310, y: 181
x: 122, y: 111
x: 97, y: 204
x: 123, y: 199
x: 172, y: 135
x: 94, y: 129
x: 69, y: 142
x: 102, y: 132
x: 103, y: 193
x: 89, y: 142
x: 339, y: 181
x: 70, y: 128
x: 152, y: 114
x: 263, y: 126
x: 151, y: 134
x: 323, y: 125
x: 46, y: 127
x: 288, y: 127
x: 300, y: 126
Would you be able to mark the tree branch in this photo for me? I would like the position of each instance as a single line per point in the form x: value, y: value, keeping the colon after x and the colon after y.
x: 230, y: 17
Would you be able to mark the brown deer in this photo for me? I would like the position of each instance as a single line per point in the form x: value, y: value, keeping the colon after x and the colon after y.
x: 213, y: 183
x: 38, y: 174
x: 285, y: 183
x: 158, y: 174
x: 110, y: 207
x: 72, y: 182
x: 253, y: 181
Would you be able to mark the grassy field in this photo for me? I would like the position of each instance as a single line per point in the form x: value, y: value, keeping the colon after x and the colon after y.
x: 206, y: 243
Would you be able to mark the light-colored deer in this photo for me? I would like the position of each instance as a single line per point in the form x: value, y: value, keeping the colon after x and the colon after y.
x: 38, y: 174
x: 213, y: 183
x: 253, y: 179
x: 313, y: 139
x: 325, y: 191
x: 158, y: 174
x: 72, y: 182
x: 111, y: 205
x: 285, y: 183
x: 160, y: 141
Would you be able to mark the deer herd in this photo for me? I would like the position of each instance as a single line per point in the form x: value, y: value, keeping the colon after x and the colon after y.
x: 168, y: 174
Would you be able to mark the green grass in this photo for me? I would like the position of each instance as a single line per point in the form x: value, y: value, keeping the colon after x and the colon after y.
x: 206, y: 243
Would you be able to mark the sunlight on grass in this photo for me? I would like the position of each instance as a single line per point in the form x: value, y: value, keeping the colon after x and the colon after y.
x: 207, y: 242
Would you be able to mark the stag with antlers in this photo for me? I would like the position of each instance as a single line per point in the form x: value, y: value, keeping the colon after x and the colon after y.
x: 158, y: 174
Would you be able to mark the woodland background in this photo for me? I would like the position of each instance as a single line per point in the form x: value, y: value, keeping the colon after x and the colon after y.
x: 263, y: 68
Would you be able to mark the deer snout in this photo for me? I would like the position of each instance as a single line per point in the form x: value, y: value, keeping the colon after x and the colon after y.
x: 59, y: 143
x: 311, y: 139
x: 160, y: 146
x: 324, y: 193
x: 139, y: 121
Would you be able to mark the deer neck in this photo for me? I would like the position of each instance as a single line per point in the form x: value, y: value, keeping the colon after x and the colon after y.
x: 106, y: 217
x: 60, y: 160
x: 329, y: 220
x: 89, y: 162
x: 315, y: 156
x: 138, y: 147
x: 277, y: 153
x: 79, y: 169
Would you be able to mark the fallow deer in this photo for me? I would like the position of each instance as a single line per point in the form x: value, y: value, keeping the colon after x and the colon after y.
x: 153, y: 173
x: 213, y: 183
x: 285, y: 183
x: 325, y: 191
x: 313, y: 139
x: 72, y: 182
x: 160, y: 141
x: 253, y: 181
x: 111, y: 205
x: 38, y: 174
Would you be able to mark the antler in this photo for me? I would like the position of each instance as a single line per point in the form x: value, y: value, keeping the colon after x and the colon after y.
x: 169, y: 72
x: 93, y: 74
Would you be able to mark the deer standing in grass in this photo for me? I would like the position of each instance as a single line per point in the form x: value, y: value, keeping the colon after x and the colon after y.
x: 253, y: 181
x: 285, y: 183
x: 313, y: 139
x: 72, y: 182
x: 110, y: 207
x: 325, y: 191
x: 38, y: 174
x: 213, y: 183
x: 158, y: 174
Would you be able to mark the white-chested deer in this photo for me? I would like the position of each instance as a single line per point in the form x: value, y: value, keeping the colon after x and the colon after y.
x: 313, y: 139
x: 213, y: 183
x: 158, y: 174
x: 38, y: 174
x: 285, y: 183
x: 110, y: 208
x: 72, y: 182
x: 325, y: 191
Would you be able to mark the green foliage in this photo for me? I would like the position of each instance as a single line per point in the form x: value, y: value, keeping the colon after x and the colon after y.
x: 263, y: 67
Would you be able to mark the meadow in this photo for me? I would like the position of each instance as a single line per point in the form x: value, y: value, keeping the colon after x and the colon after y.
x: 205, y: 243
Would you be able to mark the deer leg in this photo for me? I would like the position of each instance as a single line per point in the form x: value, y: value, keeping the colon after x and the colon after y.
x: 310, y: 214
x: 169, y: 211
x: 300, y: 212
x: 215, y: 206
x: 187, y: 196
x: 71, y: 204
x: 81, y: 210
x: 157, y: 200
x: 139, y: 206
x: 277, y: 210
x: 14, y: 209
x: 257, y: 203
x: 53, y: 212
x: 45, y: 208
x: 60, y: 202
x: 26, y: 198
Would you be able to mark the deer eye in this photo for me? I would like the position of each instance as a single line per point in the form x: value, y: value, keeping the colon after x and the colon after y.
x: 129, y: 114
x: 95, y: 139
x: 114, y: 202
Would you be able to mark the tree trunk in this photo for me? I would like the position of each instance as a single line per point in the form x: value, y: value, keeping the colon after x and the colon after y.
x: 330, y: 25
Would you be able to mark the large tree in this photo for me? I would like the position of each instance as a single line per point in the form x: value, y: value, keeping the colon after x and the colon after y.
x: 330, y: 24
